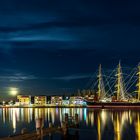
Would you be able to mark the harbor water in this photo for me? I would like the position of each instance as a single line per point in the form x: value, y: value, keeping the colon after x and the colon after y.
x: 96, y: 124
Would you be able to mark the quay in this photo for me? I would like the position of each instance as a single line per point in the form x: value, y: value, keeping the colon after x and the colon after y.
x: 43, y: 106
x: 99, y: 106
x: 70, y: 123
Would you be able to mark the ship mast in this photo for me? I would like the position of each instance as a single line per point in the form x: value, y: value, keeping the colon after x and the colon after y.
x: 138, y: 84
x: 119, y: 85
x: 99, y: 81
x: 101, y: 90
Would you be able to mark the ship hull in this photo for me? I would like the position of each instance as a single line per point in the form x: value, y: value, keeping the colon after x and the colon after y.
x: 113, y: 105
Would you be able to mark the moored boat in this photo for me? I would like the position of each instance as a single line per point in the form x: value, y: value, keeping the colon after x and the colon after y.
x: 119, y: 98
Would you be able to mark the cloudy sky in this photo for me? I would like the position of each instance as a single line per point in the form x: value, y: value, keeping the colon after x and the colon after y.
x: 54, y: 46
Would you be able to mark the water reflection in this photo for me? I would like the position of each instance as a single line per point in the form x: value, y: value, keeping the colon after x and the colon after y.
x: 107, y: 124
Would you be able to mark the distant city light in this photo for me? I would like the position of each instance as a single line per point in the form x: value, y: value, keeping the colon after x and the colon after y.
x: 13, y: 91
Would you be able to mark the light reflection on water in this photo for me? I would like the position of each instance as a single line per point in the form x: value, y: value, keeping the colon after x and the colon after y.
x: 105, y: 124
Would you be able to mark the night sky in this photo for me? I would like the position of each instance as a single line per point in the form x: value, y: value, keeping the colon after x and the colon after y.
x: 54, y: 46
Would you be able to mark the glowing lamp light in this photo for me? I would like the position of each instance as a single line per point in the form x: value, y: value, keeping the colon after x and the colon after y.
x: 13, y: 91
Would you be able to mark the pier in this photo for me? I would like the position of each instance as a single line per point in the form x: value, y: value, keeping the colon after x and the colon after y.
x: 69, y: 123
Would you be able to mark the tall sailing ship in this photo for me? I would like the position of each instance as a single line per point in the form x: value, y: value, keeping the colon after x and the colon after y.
x: 120, y: 97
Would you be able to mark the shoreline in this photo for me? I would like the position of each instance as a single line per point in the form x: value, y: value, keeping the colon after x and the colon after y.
x: 43, y: 106
x: 91, y: 106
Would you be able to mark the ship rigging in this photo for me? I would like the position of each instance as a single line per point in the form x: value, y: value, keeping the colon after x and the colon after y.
x: 121, y: 85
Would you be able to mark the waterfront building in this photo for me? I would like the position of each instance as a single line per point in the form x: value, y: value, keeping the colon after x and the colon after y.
x: 40, y: 100
x: 76, y: 100
x: 24, y: 99
x: 56, y: 100
x: 65, y: 102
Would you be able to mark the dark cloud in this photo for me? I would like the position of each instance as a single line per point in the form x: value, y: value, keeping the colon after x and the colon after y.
x: 72, y: 77
x: 59, y: 39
